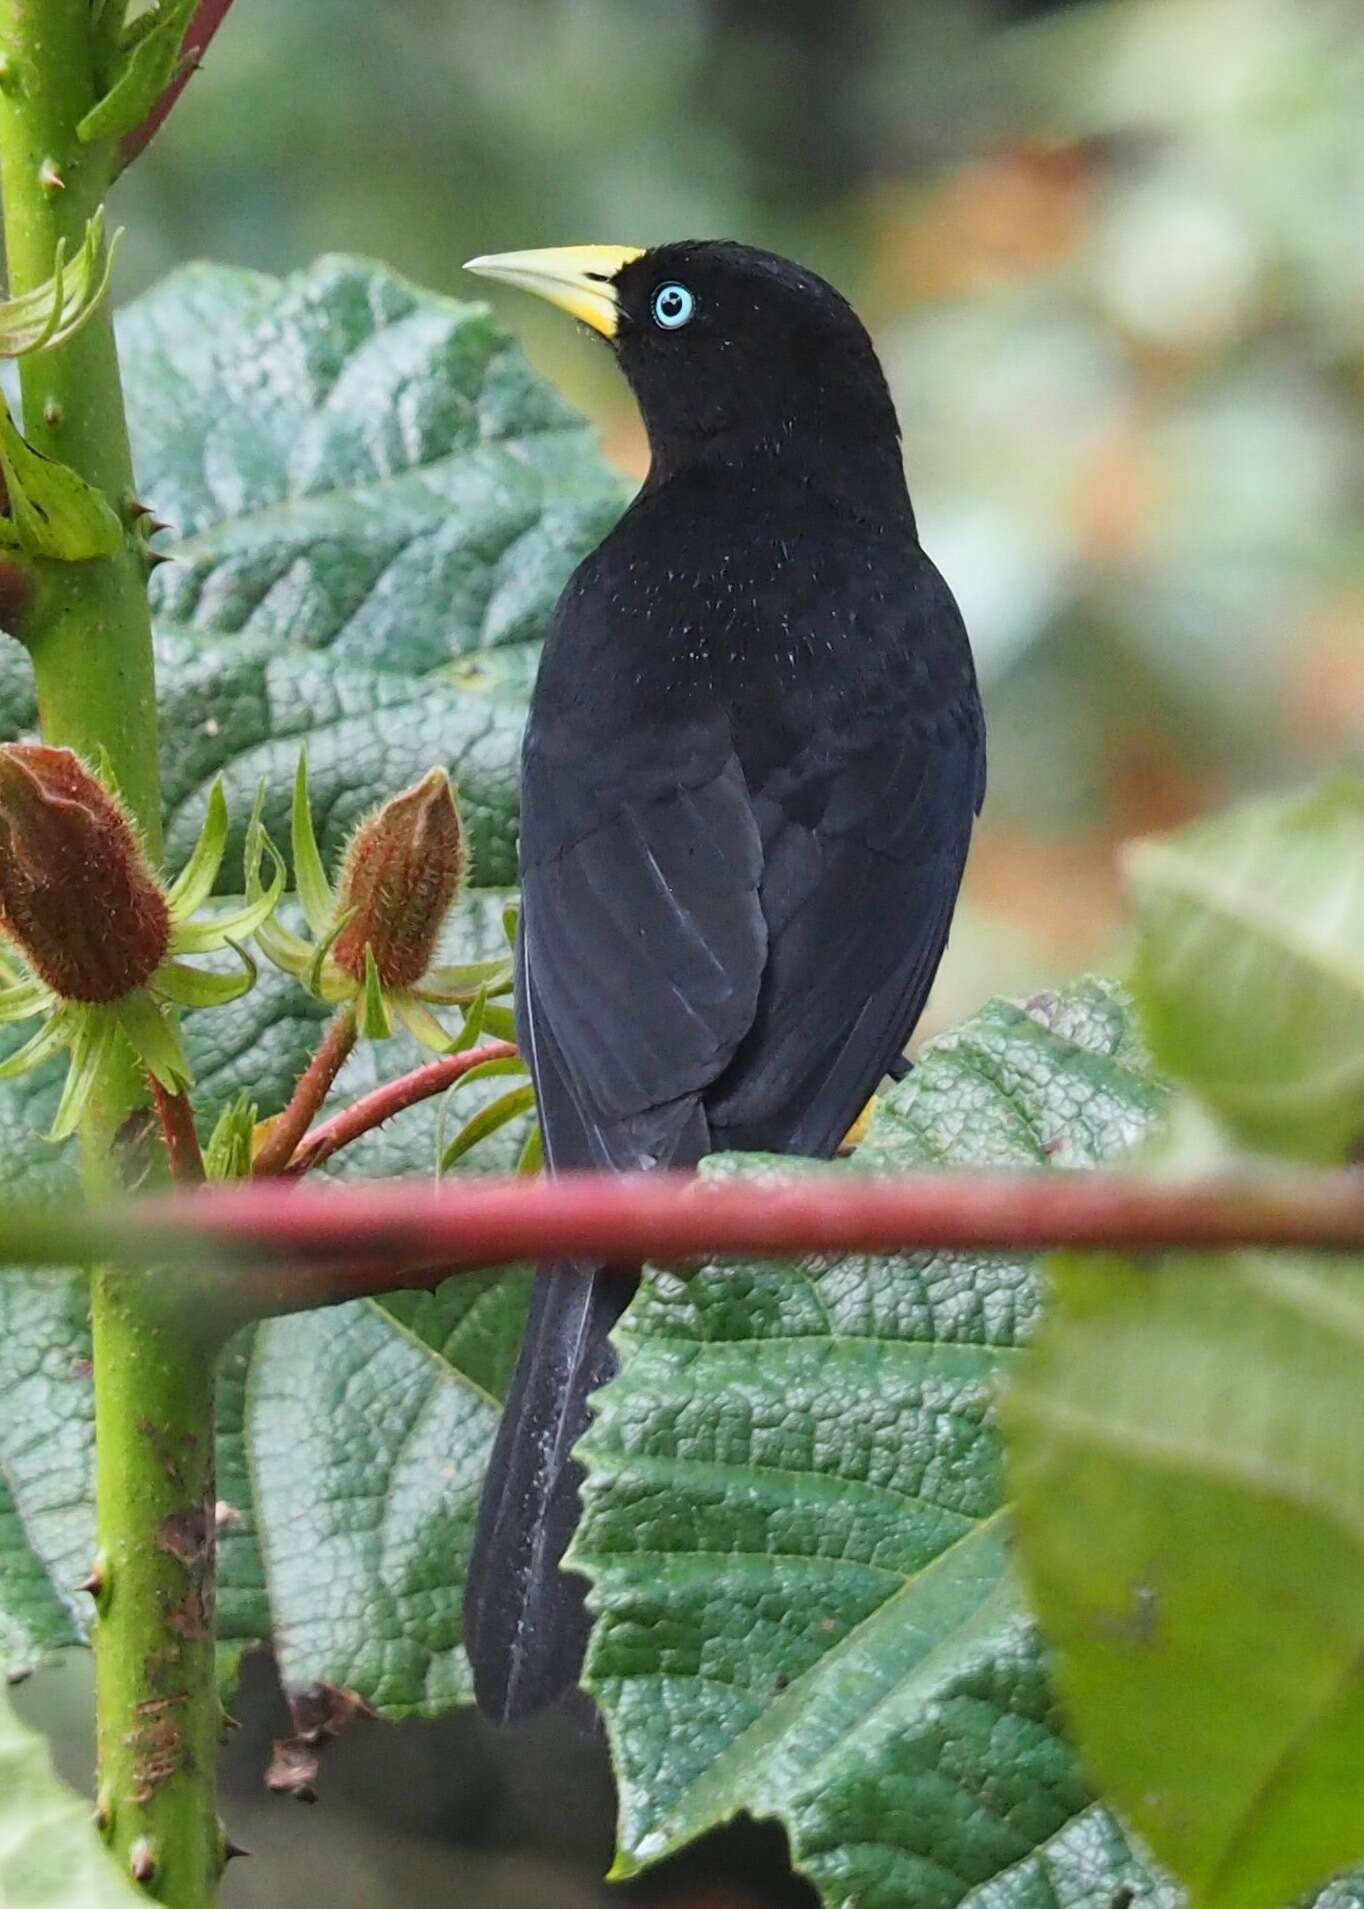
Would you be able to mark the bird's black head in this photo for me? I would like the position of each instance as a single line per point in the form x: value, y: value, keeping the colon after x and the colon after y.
x: 731, y: 352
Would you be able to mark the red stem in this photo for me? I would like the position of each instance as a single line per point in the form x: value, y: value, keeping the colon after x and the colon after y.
x: 182, y: 1140
x: 313, y: 1087
x: 208, y: 17
x: 372, y: 1110
x: 288, y: 1249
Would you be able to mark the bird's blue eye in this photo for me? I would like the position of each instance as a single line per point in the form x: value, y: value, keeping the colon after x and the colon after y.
x: 673, y: 306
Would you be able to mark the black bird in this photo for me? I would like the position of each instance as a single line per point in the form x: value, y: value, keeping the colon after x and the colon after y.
x: 754, y: 756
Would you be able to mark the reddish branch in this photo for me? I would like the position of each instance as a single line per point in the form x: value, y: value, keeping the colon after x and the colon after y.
x: 313, y: 1087
x: 372, y: 1110
x: 284, y: 1248
x: 208, y: 17
x: 177, y: 1126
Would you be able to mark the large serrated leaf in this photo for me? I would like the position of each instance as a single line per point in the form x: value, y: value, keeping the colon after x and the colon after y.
x: 354, y: 465
x: 1250, y: 964
x: 1187, y: 1444
x: 33, y: 1620
x: 375, y: 500
x: 50, y: 1854
x: 792, y: 1525
x: 468, y: 1329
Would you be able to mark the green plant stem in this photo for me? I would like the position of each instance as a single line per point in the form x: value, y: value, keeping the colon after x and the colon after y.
x: 88, y: 632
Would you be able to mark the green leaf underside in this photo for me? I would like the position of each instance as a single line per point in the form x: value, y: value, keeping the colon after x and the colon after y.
x: 33, y: 1620
x: 792, y: 1522
x: 50, y: 1854
x: 354, y: 465
x: 1255, y: 920
x: 1187, y: 1448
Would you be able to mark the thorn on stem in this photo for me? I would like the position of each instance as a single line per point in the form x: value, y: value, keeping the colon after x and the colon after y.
x: 97, y: 1582
x: 142, y: 1861
x: 52, y: 413
x: 231, y: 1850
x: 50, y: 176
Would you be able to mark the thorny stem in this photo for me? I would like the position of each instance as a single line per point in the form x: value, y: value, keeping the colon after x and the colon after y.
x: 250, y: 1250
x: 88, y: 632
x: 394, y: 1097
x: 313, y: 1087
x: 182, y: 1141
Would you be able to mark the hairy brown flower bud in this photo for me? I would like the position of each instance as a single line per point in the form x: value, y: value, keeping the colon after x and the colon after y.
x: 76, y: 893
x: 402, y: 872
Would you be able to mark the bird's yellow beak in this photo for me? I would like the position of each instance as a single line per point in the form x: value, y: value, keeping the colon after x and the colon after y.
x: 578, y: 277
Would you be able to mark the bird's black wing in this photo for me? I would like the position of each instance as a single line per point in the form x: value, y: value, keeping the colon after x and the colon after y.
x: 643, y: 944
x: 641, y: 957
x: 865, y: 834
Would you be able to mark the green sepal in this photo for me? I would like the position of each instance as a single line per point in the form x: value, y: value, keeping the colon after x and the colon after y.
x: 317, y: 978
x: 53, y: 1035
x: 54, y: 311
x: 310, y: 878
x: 141, y: 75
x: 288, y: 951
x: 154, y: 1039
x: 500, y: 1023
x: 53, y: 512
x: 194, y: 884
x: 372, y: 1018
x: 228, y: 1153
x: 455, y: 984
x: 23, y: 998
x: 472, y: 1029
x: 94, y: 1036
x: 422, y: 1024
x: 202, y: 937
x: 487, y: 1121
x: 198, y: 988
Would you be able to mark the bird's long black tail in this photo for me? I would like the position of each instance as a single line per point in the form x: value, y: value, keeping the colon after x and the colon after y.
x: 525, y: 1620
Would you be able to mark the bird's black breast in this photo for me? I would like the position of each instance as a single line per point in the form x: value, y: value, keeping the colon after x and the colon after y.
x: 754, y: 754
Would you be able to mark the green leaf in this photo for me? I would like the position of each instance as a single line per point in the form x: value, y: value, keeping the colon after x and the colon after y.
x: 53, y: 512
x: 144, y: 71
x: 33, y: 1620
x: 1250, y: 964
x: 792, y: 1517
x: 356, y: 466
x: 370, y: 1426
x: 50, y: 1854
x: 1187, y: 1442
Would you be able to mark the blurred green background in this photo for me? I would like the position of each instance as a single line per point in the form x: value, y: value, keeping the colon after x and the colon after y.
x: 1113, y: 258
